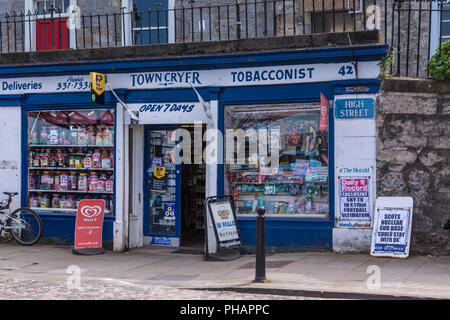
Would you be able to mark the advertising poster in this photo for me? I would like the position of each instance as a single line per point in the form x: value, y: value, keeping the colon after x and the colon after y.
x: 392, y: 228
x: 323, y: 125
x: 169, y: 210
x: 354, y: 198
x: 89, y: 224
x: 224, y: 223
x: 159, y: 178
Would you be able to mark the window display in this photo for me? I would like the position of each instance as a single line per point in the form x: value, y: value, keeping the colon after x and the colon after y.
x: 162, y: 182
x: 70, y: 157
x: 298, y: 184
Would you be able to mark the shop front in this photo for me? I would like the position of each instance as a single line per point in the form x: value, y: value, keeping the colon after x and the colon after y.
x: 262, y: 135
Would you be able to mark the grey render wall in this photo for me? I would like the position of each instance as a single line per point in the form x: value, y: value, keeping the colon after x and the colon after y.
x: 413, y: 151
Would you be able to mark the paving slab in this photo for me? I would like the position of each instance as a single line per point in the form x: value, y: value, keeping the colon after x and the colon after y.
x: 298, y: 273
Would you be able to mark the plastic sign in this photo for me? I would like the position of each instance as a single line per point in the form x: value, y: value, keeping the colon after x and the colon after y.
x: 98, y: 81
x: 323, y: 113
x: 89, y: 224
x: 392, y: 227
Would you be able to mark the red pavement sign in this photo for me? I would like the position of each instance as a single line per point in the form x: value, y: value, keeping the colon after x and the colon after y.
x: 89, y: 224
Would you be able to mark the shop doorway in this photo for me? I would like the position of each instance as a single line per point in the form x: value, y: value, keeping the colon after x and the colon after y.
x: 174, y: 191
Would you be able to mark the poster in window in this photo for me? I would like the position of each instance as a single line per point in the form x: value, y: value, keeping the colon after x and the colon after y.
x: 354, y: 198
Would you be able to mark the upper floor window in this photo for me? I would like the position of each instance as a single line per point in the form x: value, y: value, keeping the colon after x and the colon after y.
x: 150, y: 21
x: 46, y: 6
x: 440, y: 25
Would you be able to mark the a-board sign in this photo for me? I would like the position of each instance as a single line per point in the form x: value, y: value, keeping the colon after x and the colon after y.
x: 224, y: 223
x: 392, y: 227
x: 89, y: 224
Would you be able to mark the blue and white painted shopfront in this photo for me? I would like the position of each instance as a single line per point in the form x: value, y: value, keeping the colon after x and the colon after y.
x: 51, y: 133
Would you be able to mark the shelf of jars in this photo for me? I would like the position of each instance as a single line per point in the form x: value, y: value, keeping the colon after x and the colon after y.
x: 61, y: 210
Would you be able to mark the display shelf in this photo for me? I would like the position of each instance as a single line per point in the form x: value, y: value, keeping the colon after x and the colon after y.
x: 70, y: 169
x: 285, y: 215
x: 70, y: 191
x: 62, y: 210
x: 71, y: 146
x: 276, y: 183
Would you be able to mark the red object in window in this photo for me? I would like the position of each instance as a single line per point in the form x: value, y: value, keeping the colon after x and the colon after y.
x: 45, y: 31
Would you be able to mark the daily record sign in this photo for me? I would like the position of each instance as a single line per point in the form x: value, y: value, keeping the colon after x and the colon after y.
x: 392, y: 228
x: 354, y: 198
x: 89, y: 224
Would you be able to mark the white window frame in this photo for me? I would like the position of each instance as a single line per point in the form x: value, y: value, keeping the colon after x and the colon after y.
x: 127, y: 27
x: 31, y: 6
x: 436, y: 26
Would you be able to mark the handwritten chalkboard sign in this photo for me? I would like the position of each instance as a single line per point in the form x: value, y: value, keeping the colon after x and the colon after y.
x: 392, y: 227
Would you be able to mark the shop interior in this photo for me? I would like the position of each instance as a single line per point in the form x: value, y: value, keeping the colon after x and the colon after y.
x: 164, y: 154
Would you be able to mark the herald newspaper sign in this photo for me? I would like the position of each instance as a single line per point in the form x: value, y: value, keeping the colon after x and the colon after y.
x: 89, y: 224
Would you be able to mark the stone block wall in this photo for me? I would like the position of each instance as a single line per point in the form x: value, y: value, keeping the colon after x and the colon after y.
x: 413, y: 148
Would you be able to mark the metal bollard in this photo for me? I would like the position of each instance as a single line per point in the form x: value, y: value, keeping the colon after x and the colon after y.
x: 260, y: 246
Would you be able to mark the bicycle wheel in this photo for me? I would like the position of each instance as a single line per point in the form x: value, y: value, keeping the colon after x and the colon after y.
x: 25, y: 226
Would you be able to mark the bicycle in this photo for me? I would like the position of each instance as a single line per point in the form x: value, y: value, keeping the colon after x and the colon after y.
x: 24, y: 224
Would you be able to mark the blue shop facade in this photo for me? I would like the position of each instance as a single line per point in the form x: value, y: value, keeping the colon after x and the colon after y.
x: 61, y: 148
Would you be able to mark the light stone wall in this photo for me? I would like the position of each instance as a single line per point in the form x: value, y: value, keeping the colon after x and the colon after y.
x: 413, y: 148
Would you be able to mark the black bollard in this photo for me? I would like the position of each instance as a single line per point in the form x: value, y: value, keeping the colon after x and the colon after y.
x: 260, y: 245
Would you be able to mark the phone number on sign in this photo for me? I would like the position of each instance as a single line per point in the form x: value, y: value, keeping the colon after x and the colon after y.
x: 79, y: 85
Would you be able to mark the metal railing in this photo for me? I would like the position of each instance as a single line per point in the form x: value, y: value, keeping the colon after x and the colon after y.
x: 408, y: 26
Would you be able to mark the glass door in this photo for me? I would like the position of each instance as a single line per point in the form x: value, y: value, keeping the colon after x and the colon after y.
x: 161, y: 187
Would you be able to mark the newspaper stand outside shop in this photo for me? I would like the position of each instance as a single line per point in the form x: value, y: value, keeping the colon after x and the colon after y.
x: 222, y: 236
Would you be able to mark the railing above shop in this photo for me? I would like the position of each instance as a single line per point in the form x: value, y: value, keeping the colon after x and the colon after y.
x: 413, y: 29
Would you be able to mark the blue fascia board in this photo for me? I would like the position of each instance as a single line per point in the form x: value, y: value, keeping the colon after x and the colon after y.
x: 299, y: 56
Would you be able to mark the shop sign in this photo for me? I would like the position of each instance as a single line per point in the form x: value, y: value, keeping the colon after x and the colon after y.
x: 179, y: 112
x: 224, y: 221
x: 362, y: 108
x: 89, y: 224
x: 267, y: 75
x: 392, y: 227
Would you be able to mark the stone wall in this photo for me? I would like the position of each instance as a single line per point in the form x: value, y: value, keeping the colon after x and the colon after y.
x: 413, y: 148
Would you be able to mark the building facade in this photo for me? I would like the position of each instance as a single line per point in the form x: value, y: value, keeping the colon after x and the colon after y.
x: 295, y: 80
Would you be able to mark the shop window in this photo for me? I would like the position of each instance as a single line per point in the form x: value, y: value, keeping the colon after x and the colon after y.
x: 440, y: 25
x: 70, y: 158
x: 295, y: 182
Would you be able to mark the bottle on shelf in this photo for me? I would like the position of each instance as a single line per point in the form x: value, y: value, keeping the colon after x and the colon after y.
x: 91, y: 135
x: 106, y: 160
x: 63, y: 181
x: 53, y: 135
x: 83, y: 182
x: 44, y: 201
x: 101, y: 183
x: 99, y: 136
x: 82, y: 136
x: 43, y: 135
x: 74, y: 134
x: 109, y: 185
x: 44, y: 159
x: 72, y: 183
x: 88, y: 160
x: 55, y: 200
x: 93, y: 179
x: 96, y: 159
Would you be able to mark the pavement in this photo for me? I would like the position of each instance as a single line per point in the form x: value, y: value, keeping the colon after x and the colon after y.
x: 303, y: 274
